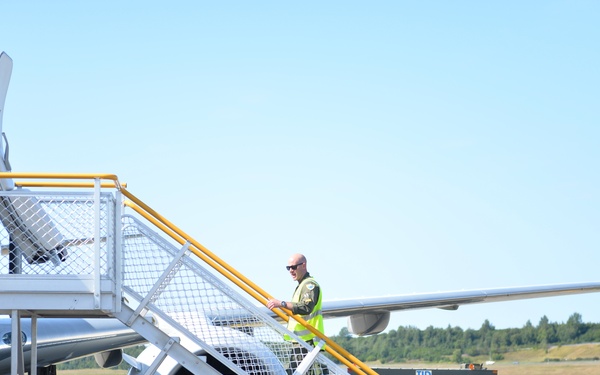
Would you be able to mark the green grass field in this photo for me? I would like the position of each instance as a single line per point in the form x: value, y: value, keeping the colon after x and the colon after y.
x: 554, y: 361
x: 563, y: 360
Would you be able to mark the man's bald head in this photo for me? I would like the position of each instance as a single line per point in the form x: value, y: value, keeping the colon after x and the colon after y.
x: 297, y: 266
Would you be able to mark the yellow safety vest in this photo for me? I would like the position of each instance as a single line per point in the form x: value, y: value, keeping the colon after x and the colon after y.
x: 315, y: 318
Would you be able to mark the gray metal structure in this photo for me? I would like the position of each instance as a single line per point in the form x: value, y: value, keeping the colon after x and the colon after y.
x: 116, y: 266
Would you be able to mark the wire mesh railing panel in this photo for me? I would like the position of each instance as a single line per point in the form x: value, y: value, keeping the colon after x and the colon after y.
x: 193, y: 300
x: 48, y: 233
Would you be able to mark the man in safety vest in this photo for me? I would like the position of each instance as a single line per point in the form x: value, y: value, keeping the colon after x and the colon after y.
x: 305, y: 302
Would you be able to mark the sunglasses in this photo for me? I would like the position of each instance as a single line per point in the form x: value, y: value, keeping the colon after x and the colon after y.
x: 293, y: 267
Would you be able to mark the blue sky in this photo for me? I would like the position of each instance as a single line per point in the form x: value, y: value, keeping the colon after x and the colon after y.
x: 402, y: 146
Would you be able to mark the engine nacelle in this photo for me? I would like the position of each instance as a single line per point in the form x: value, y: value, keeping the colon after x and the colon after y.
x: 109, y: 359
x: 369, y: 323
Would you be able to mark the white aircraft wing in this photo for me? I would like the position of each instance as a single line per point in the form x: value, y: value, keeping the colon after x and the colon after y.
x: 453, y: 299
x: 370, y: 315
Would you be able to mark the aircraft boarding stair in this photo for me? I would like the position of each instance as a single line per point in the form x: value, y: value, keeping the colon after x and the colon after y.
x: 81, y: 245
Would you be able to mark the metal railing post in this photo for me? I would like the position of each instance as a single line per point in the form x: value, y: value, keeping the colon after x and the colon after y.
x: 117, y: 250
x: 97, y: 289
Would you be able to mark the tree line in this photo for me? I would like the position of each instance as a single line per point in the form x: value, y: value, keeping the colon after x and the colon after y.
x: 453, y: 343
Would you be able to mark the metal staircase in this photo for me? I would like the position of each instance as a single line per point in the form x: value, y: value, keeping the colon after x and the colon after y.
x: 87, y: 247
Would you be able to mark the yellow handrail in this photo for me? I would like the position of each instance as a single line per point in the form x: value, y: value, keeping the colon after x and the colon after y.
x: 332, y: 347
x: 64, y: 176
x: 66, y: 184
x: 254, y: 289
x: 198, y: 249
